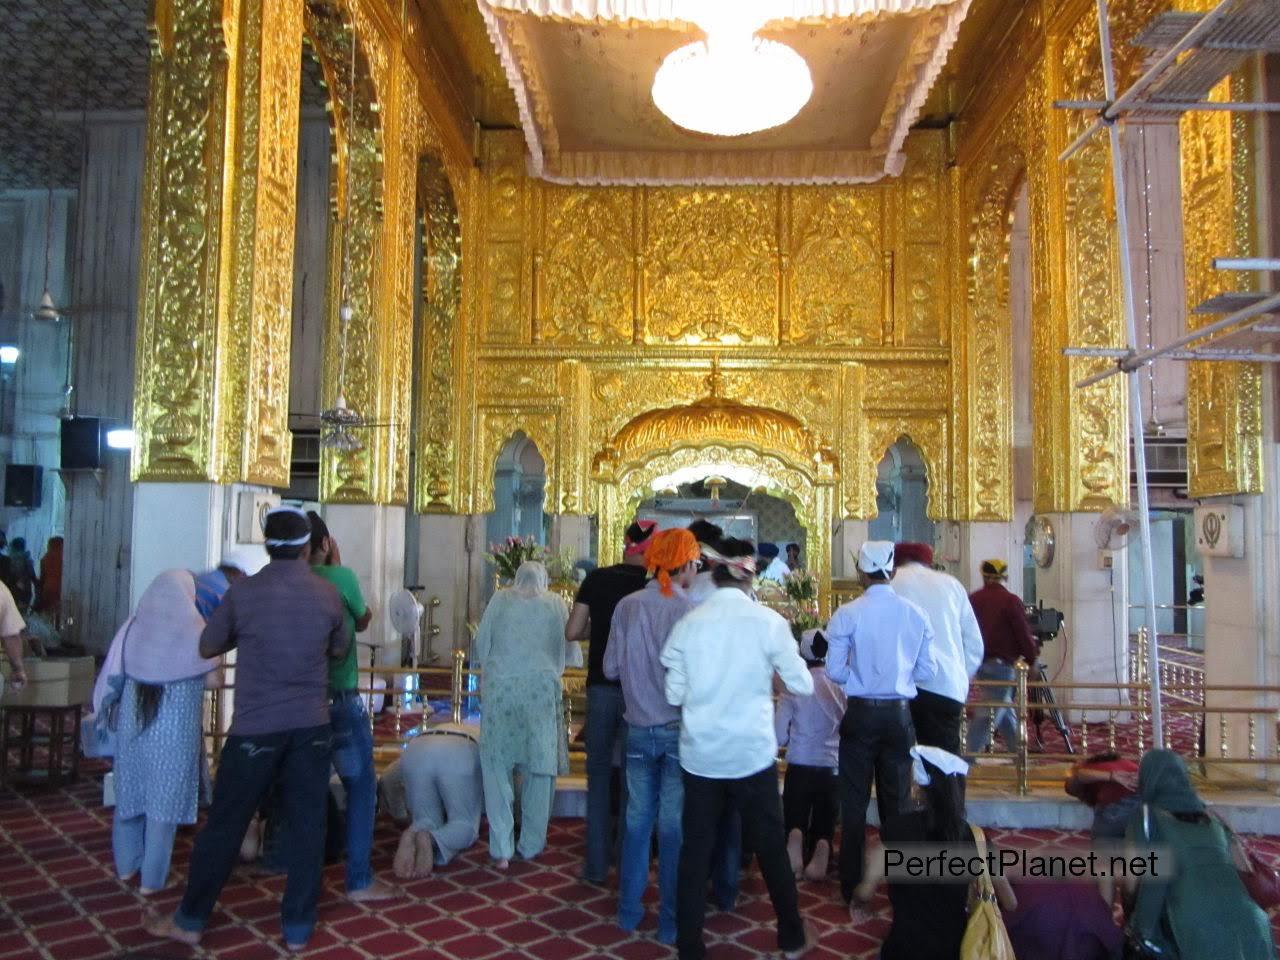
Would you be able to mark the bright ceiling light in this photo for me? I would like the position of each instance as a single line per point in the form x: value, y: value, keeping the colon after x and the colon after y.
x: 9, y: 354
x: 734, y: 83
x: 120, y: 439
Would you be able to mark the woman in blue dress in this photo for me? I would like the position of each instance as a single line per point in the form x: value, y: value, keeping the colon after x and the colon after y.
x: 156, y: 685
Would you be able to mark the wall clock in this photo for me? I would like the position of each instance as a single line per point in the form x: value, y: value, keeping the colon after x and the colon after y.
x: 1043, y: 541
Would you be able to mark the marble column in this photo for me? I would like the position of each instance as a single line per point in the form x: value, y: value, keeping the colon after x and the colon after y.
x: 572, y: 532
x: 1242, y: 626
x: 371, y: 540
x: 849, y: 537
x: 451, y: 568
x: 1094, y: 645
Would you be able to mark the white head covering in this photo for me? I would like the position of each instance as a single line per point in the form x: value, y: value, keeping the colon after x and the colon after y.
x: 876, y: 556
x: 296, y: 541
x: 247, y: 559
x: 948, y: 763
x: 806, y: 644
x: 531, y: 579
x: 162, y: 643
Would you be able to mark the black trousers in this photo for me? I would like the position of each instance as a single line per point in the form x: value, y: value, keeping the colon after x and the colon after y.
x: 298, y: 760
x: 875, y: 742
x: 939, y: 721
x: 756, y: 800
x: 810, y: 797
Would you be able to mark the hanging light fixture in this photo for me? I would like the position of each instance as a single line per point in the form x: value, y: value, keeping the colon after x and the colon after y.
x: 733, y: 83
x: 47, y: 310
x: 339, y: 420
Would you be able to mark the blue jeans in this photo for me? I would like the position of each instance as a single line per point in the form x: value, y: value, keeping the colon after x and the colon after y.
x: 298, y: 760
x: 1006, y: 719
x: 353, y: 759
x: 604, y: 730
x: 655, y: 791
x: 142, y: 843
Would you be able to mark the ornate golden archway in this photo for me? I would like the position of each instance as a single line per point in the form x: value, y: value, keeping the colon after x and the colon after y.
x: 771, y: 450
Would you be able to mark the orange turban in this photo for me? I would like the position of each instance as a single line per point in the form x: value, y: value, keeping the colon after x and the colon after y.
x: 670, y: 550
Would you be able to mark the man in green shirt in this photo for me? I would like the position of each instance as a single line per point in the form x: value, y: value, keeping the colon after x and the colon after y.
x: 352, y: 736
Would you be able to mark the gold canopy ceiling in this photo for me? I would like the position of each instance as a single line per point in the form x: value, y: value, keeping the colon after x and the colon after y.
x: 582, y: 71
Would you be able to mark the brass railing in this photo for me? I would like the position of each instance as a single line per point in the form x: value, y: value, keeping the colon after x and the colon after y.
x: 1098, y: 716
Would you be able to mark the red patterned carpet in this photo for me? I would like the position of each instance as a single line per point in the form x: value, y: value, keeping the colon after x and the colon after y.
x: 60, y: 900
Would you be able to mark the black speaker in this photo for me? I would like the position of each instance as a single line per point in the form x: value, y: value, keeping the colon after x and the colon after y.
x: 82, y: 443
x: 23, y: 484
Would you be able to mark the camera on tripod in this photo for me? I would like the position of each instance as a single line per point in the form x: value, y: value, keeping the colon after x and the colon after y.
x: 1045, y: 622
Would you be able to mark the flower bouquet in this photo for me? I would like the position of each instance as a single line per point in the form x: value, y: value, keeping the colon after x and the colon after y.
x: 801, y: 608
x: 508, y: 555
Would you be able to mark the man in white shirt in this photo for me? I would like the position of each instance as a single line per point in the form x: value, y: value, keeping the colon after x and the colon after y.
x: 720, y: 663
x: 938, y: 709
x: 774, y: 567
x: 879, y: 647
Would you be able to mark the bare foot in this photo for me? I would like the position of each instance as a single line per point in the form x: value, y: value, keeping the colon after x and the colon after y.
x: 403, y: 864
x: 375, y: 891
x: 810, y: 941
x: 795, y: 852
x: 503, y: 864
x: 425, y: 861
x: 166, y: 929
x: 817, y: 868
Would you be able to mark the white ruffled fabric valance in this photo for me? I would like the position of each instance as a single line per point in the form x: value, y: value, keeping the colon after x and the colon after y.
x: 523, y: 33
x: 667, y: 10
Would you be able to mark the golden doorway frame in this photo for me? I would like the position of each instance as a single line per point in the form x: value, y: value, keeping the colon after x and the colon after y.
x: 784, y: 458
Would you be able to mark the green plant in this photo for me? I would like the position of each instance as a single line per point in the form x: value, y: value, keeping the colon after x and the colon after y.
x: 508, y: 555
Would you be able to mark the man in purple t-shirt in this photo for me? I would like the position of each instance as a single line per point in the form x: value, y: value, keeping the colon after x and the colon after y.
x: 285, y: 624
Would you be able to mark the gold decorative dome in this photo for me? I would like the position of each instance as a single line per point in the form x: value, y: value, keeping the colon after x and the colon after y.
x: 713, y: 419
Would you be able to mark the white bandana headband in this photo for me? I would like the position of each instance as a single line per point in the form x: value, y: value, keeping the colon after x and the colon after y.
x: 296, y: 541
x: 948, y: 763
x: 740, y: 568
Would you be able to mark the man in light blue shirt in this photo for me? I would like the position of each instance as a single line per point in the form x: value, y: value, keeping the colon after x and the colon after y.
x: 880, y: 647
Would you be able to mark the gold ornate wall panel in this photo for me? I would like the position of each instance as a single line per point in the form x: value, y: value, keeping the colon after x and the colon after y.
x: 360, y: 193
x: 1224, y: 400
x: 1013, y: 137
x: 180, y: 297
x: 1098, y: 434
x: 211, y: 395
x: 264, y: 200
x: 441, y: 304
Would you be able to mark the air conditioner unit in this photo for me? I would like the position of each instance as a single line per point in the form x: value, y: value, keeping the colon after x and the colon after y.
x: 251, y: 513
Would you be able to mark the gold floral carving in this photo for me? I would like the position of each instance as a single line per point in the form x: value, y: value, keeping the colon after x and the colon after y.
x: 835, y: 275
x: 711, y: 266
x: 355, y: 239
x: 181, y: 296
x: 1224, y: 400
x: 989, y: 332
x: 713, y: 418
x: 441, y: 301
x: 587, y: 268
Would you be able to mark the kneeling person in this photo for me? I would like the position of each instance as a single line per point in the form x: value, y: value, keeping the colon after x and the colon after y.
x: 436, y: 788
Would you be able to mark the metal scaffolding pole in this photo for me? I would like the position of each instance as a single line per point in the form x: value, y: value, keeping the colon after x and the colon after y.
x: 1131, y: 328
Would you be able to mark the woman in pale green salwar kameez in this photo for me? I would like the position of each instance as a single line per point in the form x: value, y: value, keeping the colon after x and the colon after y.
x: 520, y: 650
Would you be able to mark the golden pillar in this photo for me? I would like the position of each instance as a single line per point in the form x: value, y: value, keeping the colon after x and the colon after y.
x: 211, y: 396
x: 1224, y: 400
